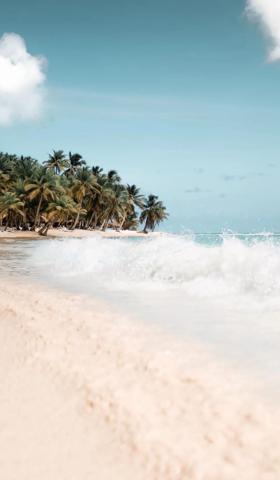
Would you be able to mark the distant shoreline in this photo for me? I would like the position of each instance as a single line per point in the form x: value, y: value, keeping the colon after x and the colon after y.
x: 77, y: 233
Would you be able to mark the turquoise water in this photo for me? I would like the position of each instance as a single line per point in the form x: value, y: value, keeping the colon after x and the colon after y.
x: 248, y: 238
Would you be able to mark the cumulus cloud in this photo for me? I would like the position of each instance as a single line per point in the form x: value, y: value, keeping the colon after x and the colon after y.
x: 21, y: 81
x: 267, y: 12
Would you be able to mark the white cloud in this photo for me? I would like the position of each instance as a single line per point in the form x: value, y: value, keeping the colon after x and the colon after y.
x: 268, y: 13
x: 21, y: 81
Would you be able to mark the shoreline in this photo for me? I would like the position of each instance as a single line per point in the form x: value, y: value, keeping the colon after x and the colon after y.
x: 62, y: 233
x: 89, y: 394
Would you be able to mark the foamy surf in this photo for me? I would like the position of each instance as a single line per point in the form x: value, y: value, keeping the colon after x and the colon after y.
x: 230, y: 268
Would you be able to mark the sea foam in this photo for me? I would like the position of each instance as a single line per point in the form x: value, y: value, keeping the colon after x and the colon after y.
x: 228, y: 269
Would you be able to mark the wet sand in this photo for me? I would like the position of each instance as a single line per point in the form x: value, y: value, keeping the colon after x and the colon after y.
x: 86, y: 394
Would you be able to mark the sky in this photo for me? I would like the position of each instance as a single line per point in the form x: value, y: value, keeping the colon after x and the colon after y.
x: 180, y: 96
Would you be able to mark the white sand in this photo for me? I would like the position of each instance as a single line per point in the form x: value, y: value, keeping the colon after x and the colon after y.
x: 86, y: 395
x: 64, y: 233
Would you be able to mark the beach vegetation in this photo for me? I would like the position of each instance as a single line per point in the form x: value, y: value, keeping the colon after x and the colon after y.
x: 153, y: 213
x: 64, y: 192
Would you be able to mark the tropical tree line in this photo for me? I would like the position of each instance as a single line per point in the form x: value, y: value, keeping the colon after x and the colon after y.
x: 65, y: 192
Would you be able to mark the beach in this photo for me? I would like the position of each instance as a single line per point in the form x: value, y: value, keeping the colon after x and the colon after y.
x: 77, y: 233
x: 87, y: 393
x: 139, y: 240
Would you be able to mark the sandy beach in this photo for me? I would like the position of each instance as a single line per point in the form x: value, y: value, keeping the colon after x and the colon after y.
x: 77, y: 233
x: 87, y: 394
x: 140, y: 319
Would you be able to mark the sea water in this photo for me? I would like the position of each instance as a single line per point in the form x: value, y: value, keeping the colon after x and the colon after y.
x: 223, y: 290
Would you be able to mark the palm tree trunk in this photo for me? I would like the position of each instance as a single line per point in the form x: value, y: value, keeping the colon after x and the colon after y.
x: 44, y: 230
x: 91, y: 218
x: 95, y: 221
x: 105, y: 224
x: 38, y: 211
x: 145, y: 228
x: 102, y: 224
x: 77, y: 218
x: 122, y: 222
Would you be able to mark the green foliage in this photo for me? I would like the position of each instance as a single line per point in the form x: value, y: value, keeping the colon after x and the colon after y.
x: 64, y: 191
x: 57, y: 161
x: 153, y: 213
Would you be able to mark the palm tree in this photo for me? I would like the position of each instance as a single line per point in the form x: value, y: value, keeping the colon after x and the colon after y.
x: 116, y: 206
x: 131, y: 222
x: 4, y: 181
x: 85, y: 184
x: 113, y: 177
x: 10, y: 206
x: 75, y: 161
x: 96, y: 171
x: 97, y: 203
x: 57, y: 161
x: 36, y: 195
x: 153, y: 213
x: 25, y: 167
x: 7, y: 162
x: 60, y: 210
x: 135, y: 198
x: 43, y: 189
x: 19, y: 189
x: 112, y: 197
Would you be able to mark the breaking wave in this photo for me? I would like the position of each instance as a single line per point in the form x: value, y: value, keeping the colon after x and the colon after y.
x: 230, y: 267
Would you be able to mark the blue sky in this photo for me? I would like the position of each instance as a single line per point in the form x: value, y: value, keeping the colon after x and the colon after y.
x: 177, y: 95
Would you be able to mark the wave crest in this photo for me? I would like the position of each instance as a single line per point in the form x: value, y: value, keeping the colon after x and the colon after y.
x: 232, y: 267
